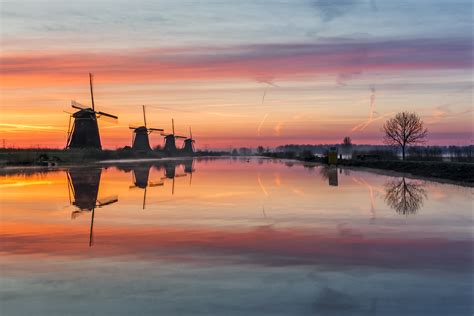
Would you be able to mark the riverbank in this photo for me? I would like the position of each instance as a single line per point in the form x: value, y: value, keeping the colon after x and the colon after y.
x: 60, y: 157
x: 459, y: 172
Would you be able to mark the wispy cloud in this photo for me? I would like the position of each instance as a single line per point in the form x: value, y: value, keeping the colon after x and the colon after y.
x: 247, y: 61
x: 7, y: 127
x: 330, y: 9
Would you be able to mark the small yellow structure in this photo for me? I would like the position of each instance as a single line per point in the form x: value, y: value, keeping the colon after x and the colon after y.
x: 332, y: 156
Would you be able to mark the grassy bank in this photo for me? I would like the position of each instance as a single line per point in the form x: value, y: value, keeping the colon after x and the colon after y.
x: 452, y: 171
x: 37, y: 157
x: 29, y: 157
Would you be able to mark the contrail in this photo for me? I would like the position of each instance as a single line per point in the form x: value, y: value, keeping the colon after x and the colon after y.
x: 268, y: 81
x: 363, y: 125
x: 261, y: 124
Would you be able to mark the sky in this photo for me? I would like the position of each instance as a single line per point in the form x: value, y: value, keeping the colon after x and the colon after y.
x: 240, y: 73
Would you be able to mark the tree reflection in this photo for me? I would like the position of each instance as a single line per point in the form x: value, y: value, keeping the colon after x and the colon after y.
x: 405, y: 197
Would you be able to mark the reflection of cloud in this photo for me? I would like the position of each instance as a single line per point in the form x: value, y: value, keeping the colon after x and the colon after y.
x: 293, y: 247
x: 226, y: 194
x: 405, y: 197
x: 298, y: 192
x: 371, y: 189
x: 277, y: 180
x: 261, y: 185
x: 332, y: 301
x: 24, y: 183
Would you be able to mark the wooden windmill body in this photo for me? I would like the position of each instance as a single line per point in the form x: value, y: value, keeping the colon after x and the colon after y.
x: 141, y: 140
x: 188, y: 145
x: 170, y: 141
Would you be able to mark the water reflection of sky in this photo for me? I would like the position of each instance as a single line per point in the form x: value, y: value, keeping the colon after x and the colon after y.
x: 234, y: 237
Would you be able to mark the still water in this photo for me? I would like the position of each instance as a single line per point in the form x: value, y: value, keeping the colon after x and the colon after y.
x: 233, y: 237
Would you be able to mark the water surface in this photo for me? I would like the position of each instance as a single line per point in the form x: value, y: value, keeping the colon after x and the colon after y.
x: 233, y: 237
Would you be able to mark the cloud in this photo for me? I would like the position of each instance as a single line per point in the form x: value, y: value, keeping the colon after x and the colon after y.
x: 330, y: 9
x: 246, y: 61
x: 277, y: 128
x: 442, y: 112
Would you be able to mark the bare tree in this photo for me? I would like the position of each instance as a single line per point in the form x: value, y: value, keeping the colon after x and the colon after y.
x: 404, y: 129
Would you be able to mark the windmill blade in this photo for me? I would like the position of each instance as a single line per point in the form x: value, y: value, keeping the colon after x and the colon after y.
x: 132, y: 127
x: 69, y: 131
x: 156, y: 129
x: 181, y: 175
x: 78, y: 105
x: 190, y: 133
x: 92, y: 92
x: 144, y: 115
x: 107, y: 201
x: 106, y: 114
x: 132, y: 187
x: 172, y: 125
x: 182, y: 137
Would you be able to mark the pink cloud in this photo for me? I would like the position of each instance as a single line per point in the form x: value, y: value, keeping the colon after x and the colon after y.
x: 251, y: 61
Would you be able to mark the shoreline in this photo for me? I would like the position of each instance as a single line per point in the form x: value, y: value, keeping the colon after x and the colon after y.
x: 461, y: 174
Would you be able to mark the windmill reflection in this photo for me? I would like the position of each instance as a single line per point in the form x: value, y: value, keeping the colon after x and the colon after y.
x: 141, y: 175
x: 405, y: 197
x: 189, y: 169
x: 83, y: 189
x: 170, y: 173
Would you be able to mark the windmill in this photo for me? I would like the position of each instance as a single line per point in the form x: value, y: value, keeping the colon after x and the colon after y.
x: 170, y: 141
x: 84, y: 132
x: 141, y: 140
x: 140, y: 180
x: 188, y: 145
x: 83, y: 185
